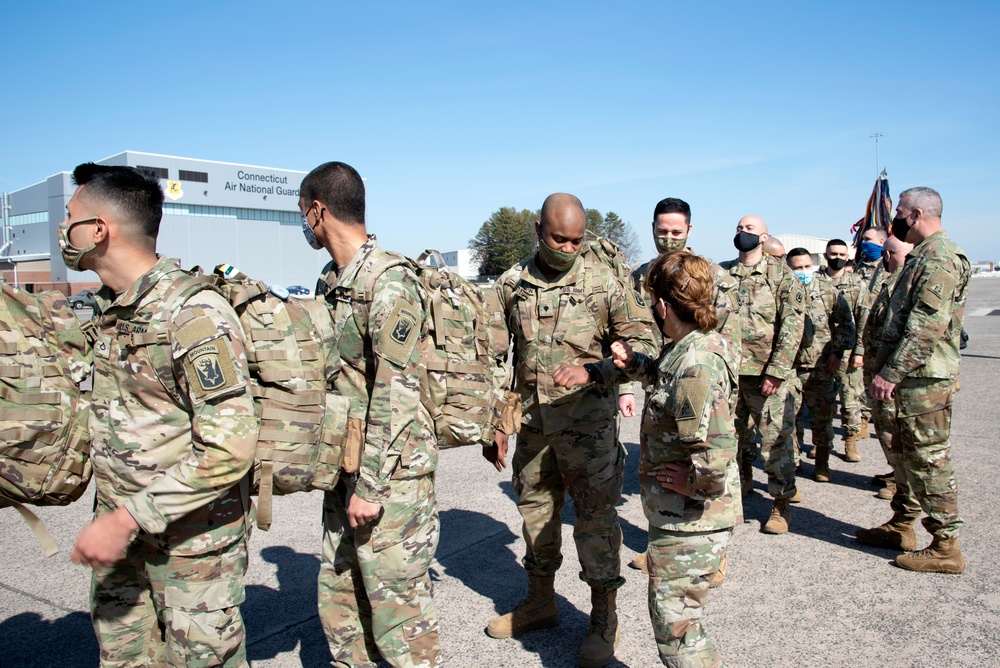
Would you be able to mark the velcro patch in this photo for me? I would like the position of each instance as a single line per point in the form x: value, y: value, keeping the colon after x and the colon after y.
x: 399, y: 334
x: 690, y: 400
x: 938, y: 288
x: 211, y: 370
x: 199, y: 329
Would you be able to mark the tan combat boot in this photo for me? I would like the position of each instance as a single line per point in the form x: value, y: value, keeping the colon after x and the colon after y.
x: 896, y: 534
x: 639, y: 563
x: 537, y: 611
x: 851, y: 448
x: 719, y: 576
x: 822, y: 463
x: 888, y: 491
x: 779, y: 520
x: 598, y: 648
x: 941, y: 556
x: 799, y: 496
x: 864, y: 431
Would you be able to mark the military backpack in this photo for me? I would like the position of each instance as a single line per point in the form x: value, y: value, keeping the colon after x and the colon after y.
x: 44, y: 436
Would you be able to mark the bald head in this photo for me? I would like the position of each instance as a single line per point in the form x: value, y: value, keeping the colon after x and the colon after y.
x: 564, y: 209
x: 774, y: 247
x: 752, y: 224
x: 895, y: 253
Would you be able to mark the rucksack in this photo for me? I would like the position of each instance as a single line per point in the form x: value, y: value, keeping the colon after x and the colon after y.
x: 44, y: 435
x: 461, y: 398
x: 303, y: 428
x: 608, y: 253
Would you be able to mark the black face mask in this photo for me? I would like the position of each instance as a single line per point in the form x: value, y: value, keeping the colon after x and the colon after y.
x: 746, y: 242
x: 836, y: 263
x: 900, y: 228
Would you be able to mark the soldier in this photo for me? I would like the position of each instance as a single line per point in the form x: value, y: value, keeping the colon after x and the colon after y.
x: 380, y: 526
x: 848, y: 376
x: 774, y: 248
x: 173, y: 437
x: 562, y: 314
x: 871, y: 273
x: 872, y: 240
x: 894, y: 252
x: 771, y: 306
x: 918, y: 362
x: 828, y: 332
x: 671, y: 229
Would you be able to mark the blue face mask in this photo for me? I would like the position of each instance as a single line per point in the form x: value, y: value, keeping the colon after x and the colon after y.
x: 805, y: 275
x: 870, y: 251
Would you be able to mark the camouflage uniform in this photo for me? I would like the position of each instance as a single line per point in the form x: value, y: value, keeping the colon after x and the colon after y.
x: 919, y: 351
x: 872, y: 276
x: 687, y: 420
x: 849, y: 379
x: 568, y: 437
x: 829, y: 329
x: 173, y: 437
x: 884, y: 412
x: 374, y: 589
x: 771, y: 320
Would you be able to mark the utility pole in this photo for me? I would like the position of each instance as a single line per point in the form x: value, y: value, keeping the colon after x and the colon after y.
x: 876, y: 136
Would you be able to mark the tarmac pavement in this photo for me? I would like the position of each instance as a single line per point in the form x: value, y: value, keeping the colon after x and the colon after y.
x: 812, y: 597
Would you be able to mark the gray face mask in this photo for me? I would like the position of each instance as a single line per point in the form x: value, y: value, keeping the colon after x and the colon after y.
x: 71, y: 254
x: 669, y: 244
x: 557, y: 260
x: 310, y: 234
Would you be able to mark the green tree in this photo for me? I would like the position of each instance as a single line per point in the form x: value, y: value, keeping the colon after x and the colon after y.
x: 506, y: 238
x: 624, y: 236
x: 595, y: 223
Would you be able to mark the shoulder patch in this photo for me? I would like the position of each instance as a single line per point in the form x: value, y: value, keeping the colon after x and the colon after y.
x: 938, y: 288
x: 399, y: 333
x: 690, y: 400
x: 211, y: 370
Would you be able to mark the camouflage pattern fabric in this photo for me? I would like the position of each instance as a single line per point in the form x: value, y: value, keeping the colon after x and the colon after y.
x: 872, y: 280
x: 884, y: 412
x: 772, y: 320
x: 919, y: 351
x: 197, y: 598
x: 828, y: 329
x: 173, y: 437
x: 374, y: 588
x: 849, y: 380
x: 680, y: 564
x: 587, y: 462
x: 376, y: 585
x: 571, y: 319
x: 687, y: 419
x: 866, y: 269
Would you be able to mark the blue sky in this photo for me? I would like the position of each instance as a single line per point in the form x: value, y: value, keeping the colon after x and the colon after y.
x: 454, y: 109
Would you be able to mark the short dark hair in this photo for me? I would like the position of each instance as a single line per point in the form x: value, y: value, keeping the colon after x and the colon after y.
x: 673, y: 205
x: 795, y: 252
x: 134, y: 193
x: 835, y: 242
x: 341, y: 190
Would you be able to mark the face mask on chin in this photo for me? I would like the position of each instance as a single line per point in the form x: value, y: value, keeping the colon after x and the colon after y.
x: 669, y: 244
x: 556, y: 260
x: 71, y: 254
x: 745, y: 241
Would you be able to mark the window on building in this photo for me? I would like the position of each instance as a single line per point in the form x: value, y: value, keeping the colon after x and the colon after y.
x: 158, y: 172
x: 197, y: 177
x: 200, y: 210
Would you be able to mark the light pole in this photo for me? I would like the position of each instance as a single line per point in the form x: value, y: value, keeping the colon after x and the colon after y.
x: 876, y: 136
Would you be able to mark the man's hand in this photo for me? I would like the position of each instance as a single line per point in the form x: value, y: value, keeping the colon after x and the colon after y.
x: 626, y: 404
x: 361, y: 512
x: 570, y: 375
x: 496, y: 454
x: 857, y: 361
x: 622, y: 354
x: 674, y: 477
x: 770, y: 385
x: 104, y: 541
x: 881, y: 389
x: 833, y: 362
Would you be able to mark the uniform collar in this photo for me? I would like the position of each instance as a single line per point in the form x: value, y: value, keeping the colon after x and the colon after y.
x: 530, y: 273
x: 347, y: 275
x: 743, y: 270
x: 106, y: 297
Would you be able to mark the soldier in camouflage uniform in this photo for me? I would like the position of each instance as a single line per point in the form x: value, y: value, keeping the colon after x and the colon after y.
x: 918, y: 362
x: 687, y: 463
x: 848, y: 376
x: 173, y: 437
x: 380, y: 526
x: 563, y: 314
x: 895, y: 252
x: 771, y: 313
x: 828, y: 332
x: 671, y: 230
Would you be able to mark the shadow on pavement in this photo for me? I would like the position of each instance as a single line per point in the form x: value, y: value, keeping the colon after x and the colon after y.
x: 278, y: 620
x: 29, y: 641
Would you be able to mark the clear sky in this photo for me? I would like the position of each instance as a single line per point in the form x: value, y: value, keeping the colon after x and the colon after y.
x: 454, y: 109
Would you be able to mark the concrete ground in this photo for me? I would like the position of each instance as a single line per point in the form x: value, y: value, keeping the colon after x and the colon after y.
x: 813, y: 597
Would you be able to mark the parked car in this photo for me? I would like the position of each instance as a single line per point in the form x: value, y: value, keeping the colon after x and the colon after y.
x: 83, y: 299
x: 298, y: 291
